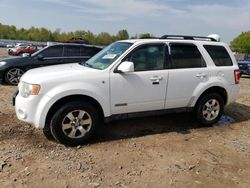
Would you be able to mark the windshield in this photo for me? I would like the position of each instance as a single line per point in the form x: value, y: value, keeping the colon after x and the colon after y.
x: 107, y: 56
x: 38, y: 52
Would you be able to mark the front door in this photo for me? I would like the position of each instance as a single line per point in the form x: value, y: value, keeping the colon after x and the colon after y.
x: 145, y: 88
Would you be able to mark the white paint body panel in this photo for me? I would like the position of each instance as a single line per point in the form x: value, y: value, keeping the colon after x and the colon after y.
x: 119, y: 93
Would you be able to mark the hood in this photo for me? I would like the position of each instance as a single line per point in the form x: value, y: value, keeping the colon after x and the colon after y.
x: 57, y: 73
x: 16, y: 59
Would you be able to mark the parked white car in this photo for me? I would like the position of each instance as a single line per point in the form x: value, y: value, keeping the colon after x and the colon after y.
x: 128, y: 78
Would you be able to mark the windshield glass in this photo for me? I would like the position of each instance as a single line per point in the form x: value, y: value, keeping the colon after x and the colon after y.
x: 107, y: 56
x: 38, y: 52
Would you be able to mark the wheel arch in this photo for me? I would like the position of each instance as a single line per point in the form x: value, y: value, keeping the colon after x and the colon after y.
x: 214, y: 89
x: 71, y: 98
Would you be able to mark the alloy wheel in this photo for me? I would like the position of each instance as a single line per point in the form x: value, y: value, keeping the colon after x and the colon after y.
x: 13, y: 76
x: 211, y: 109
x: 76, y: 124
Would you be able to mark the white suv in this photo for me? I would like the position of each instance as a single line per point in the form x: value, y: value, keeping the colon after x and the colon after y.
x: 128, y: 78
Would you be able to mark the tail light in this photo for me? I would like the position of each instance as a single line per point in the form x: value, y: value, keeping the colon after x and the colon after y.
x: 237, y: 76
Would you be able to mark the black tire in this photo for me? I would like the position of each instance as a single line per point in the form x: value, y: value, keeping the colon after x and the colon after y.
x: 47, y: 132
x: 13, y: 75
x: 9, y: 52
x: 76, y: 129
x: 209, y: 109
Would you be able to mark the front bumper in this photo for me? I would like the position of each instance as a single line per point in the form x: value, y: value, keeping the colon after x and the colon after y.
x: 14, y: 97
x: 1, y: 77
x: 32, y: 110
x: 26, y: 108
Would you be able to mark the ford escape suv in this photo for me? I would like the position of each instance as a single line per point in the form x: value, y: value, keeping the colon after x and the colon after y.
x: 129, y: 78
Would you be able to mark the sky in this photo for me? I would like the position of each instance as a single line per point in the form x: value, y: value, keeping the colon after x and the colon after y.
x: 228, y: 18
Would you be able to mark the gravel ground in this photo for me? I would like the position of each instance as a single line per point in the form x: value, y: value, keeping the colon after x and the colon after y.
x: 162, y: 151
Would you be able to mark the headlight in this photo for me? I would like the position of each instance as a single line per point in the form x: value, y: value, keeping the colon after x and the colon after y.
x: 27, y: 89
x: 2, y: 63
x: 248, y: 65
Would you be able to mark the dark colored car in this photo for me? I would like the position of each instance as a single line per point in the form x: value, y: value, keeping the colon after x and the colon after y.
x: 11, y: 69
x: 244, y: 67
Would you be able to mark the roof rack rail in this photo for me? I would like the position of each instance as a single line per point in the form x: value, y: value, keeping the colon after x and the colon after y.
x: 186, y: 37
x: 146, y: 37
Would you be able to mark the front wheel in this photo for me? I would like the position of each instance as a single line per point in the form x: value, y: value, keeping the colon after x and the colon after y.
x: 209, y: 109
x: 13, y: 75
x: 47, y: 132
x: 74, y: 123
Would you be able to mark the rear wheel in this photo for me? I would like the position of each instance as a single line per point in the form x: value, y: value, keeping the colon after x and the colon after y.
x: 74, y: 123
x: 209, y: 109
x: 13, y: 75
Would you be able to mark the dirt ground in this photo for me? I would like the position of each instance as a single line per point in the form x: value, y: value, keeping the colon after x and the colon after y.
x: 162, y: 151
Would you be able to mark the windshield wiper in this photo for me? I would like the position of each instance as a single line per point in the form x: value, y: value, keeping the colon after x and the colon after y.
x: 86, y: 64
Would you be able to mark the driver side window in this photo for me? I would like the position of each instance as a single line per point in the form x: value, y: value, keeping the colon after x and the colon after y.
x: 148, y: 57
x: 53, y: 51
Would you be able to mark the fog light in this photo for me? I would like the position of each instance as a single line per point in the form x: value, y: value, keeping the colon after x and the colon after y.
x: 22, y: 114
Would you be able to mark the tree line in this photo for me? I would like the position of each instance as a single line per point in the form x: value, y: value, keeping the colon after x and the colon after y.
x: 44, y: 35
x: 241, y: 43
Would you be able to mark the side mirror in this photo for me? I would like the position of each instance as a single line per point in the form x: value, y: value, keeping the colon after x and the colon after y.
x: 40, y: 57
x: 125, y: 67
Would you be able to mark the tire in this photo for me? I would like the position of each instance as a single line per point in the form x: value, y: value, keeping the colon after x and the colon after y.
x: 47, y: 132
x: 75, y: 123
x: 9, y: 52
x: 209, y: 109
x: 13, y: 75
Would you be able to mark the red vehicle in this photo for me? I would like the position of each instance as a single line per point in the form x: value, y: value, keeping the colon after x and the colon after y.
x: 28, y: 50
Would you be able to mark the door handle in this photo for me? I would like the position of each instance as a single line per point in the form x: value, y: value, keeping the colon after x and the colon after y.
x: 201, y: 75
x: 156, y: 78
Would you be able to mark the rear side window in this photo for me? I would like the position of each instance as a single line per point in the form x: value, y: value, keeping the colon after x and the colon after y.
x: 219, y: 55
x: 186, y: 56
x: 89, y: 51
x: 53, y: 51
x: 71, y: 51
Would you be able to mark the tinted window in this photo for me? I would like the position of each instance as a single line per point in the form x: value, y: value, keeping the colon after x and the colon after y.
x: 148, y: 57
x: 89, y: 51
x: 86, y: 51
x: 186, y: 56
x: 71, y: 51
x: 53, y: 51
x: 219, y: 55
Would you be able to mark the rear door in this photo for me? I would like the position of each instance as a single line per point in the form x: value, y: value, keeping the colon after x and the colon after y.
x: 86, y: 53
x: 72, y: 54
x: 188, y: 70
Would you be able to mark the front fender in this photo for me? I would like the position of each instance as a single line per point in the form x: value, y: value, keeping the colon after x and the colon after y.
x: 101, y: 95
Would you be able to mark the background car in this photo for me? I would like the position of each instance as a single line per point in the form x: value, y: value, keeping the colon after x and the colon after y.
x: 27, y: 50
x: 244, y: 67
x: 11, y: 51
x: 11, y: 69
